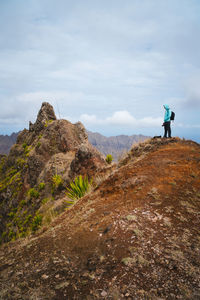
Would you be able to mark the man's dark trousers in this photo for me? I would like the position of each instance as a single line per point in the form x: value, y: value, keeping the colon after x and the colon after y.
x: 167, y: 129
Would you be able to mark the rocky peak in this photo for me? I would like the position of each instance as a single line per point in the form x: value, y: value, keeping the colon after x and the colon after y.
x: 39, y: 167
x: 45, y: 114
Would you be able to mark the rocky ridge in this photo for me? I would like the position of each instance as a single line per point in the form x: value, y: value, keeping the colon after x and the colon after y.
x: 135, y: 236
x: 38, y: 168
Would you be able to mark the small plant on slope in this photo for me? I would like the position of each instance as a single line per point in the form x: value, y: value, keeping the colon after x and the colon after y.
x: 41, y: 186
x: 37, y: 222
x: 32, y: 193
x: 79, y: 187
x: 57, y: 183
x: 109, y: 158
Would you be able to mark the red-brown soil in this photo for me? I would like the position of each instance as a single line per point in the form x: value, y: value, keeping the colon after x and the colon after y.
x: 136, y: 236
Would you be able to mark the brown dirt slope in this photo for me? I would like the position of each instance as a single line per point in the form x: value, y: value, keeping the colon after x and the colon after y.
x: 136, y: 236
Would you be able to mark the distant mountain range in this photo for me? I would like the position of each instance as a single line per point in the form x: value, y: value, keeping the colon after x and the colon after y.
x: 114, y: 145
x: 6, y: 142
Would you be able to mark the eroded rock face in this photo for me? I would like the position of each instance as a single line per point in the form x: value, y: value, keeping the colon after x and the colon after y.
x: 45, y: 114
x: 86, y: 161
x: 50, y: 150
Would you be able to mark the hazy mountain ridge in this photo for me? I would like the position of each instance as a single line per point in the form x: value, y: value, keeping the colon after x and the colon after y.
x: 6, y: 142
x: 115, y: 145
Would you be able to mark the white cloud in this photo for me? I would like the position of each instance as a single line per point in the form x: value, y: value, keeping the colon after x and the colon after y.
x: 150, y: 122
x: 121, y: 118
x: 90, y: 119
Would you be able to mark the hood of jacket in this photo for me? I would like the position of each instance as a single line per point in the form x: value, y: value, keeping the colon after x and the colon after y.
x: 166, y: 106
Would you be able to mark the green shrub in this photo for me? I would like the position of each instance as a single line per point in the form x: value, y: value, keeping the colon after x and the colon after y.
x: 45, y: 200
x: 22, y: 234
x: 36, y: 223
x: 41, y: 186
x: 47, y: 122
x: 38, y: 145
x: 21, y: 162
x: 4, y: 234
x: 79, y: 187
x: 28, y: 219
x: 24, y: 145
x: 109, y: 158
x: 57, y: 182
x: 12, y: 235
x: 26, y: 149
x: 11, y: 215
x: 32, y: 193
x: 22, y: 203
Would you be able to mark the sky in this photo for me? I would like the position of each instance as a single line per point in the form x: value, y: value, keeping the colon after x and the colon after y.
x: 110, y: 64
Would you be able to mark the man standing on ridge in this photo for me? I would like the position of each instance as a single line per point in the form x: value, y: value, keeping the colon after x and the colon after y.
x: 167, y: 121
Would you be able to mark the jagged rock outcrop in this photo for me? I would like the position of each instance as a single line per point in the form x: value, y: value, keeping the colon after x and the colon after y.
x: 45, y: 115
x: 50, y: 150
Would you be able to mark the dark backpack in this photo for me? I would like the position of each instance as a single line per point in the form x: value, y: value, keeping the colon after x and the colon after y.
x: 172, y: 116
